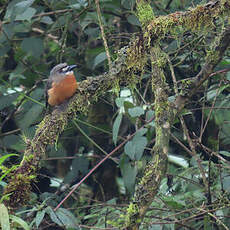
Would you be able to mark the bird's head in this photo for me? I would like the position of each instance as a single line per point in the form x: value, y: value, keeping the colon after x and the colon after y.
x: 60, y: 71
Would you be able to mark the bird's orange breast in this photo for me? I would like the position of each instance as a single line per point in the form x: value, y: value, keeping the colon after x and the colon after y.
x: 62, y: 90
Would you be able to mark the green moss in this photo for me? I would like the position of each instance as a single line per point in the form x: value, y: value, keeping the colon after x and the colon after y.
x: 31, y: 177
x: 196, y: 19
x: 118, y: 223
x: 212, y: 56
x: 116, y: 87
x: 135, y: 59
x: 144, y: 12
x: 4, y: 169
x: 132, y: 214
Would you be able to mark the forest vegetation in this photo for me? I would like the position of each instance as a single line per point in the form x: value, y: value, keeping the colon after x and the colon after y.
x: 144, y: 143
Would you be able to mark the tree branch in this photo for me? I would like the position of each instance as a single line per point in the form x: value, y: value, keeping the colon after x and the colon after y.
x: 131, y: 59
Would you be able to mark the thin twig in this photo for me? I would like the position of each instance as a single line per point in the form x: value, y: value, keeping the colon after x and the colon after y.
x: 103, y: 33
x: 10, y: 132
x: 52, y: 13
x: 193, y: 153
x: 210, y: 113
x: 54, y: 38
x: 173, y: 76
x: 215, y: 154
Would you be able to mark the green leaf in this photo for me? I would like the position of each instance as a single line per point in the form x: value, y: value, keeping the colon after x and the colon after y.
x: 13, y: 142
x: 4, y: 217
x: 120, y: 101
x: 17, y: 7
x: 47, y: 20
x: 225, y: 153
x: 75, y: 6
x: 132, y: 19
x: 136, y: 111
x: 30, y: 116
x: 6, y: 196
x: 67, y: 218
x: 7, y: 100
x: 173, y: 203
x: 226, y: 182
x: 180, y: 161
x: 33, y: 46
x: 10, y: 11
x: 39, y: 217
x: 8, y: 171
x: 92, y: 32
x: 26, y: 15
x: 211, y: 94
x: 128, y: 4
x: 116, y: 127
x: 141, y: 132
x: 53, y: 216
x: 24, y: 4
x: 149, y: 115
x: 156, y: 227
x: 20, y: 222
x: 91, y: 17
x: 99, y: 59
x: 135, y: 148
x: 4, y: 48
x: 128, y: 173
x: 128, y: 105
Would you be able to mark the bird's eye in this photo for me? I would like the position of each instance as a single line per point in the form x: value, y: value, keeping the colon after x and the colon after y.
x: 64, y: 69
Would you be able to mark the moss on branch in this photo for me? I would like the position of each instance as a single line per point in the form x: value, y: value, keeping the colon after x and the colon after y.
x: 48, y: 131
x: 149, y: 184
x: 125, y: 71
x: 195, y: 19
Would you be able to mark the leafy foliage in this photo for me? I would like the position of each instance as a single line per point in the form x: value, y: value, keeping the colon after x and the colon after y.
x: 35, y: 36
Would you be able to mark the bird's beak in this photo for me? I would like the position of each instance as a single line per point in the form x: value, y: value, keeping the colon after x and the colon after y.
x: 71, y: 67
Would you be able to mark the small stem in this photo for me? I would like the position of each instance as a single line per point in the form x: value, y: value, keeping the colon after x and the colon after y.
x: 103, y: 33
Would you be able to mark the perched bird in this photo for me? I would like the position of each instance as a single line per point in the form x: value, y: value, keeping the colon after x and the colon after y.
x: 61, y: 84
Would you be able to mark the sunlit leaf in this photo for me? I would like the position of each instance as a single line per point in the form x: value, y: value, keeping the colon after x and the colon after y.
x: 20, y: 222
x: 27, y: 14
x: 67, y: 218
x: 128, y: 173
x: 39, y: 217
x: 225, y: 153
x: 172, y: 202
x: 135, y: 148
x: 53, y: 216
x: 4, y: 217
x: 116, y: 126
x: 136, y: 111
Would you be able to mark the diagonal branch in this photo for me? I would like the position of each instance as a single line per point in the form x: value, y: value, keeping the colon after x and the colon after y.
x: 131, y: 59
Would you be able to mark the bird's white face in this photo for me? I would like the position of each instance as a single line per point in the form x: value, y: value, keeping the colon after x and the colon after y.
x: 69, y: 73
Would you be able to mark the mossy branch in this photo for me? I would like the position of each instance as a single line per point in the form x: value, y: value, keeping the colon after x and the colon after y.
x: 53, y: 124
x: 156, y: 168
x: 130, y: 59
x: 195, y: 19
x: 157, y: 28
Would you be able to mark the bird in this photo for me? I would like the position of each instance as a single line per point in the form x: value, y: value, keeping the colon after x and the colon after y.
x: 61, y: 84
